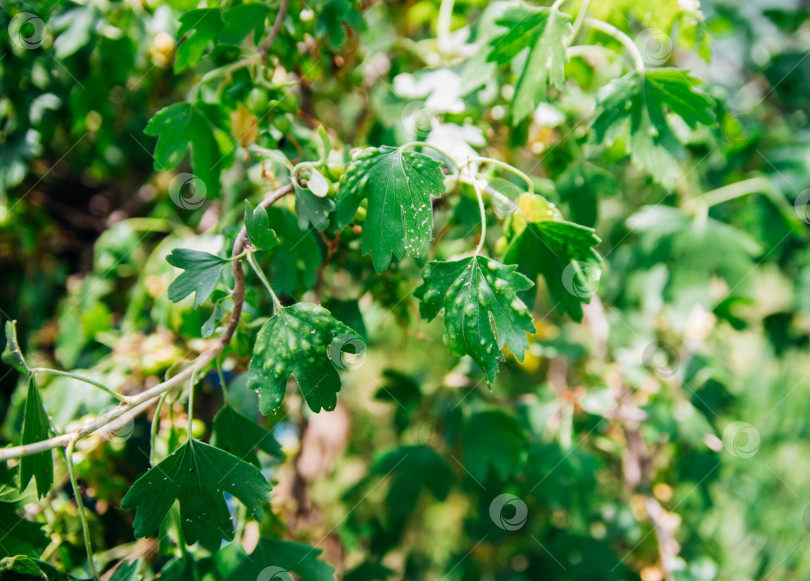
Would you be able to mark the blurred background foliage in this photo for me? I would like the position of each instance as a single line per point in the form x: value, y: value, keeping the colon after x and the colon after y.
x: 619, y: 433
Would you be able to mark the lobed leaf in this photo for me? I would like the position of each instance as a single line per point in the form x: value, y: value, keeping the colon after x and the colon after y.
x: 196, y: 475
x: 311, y: 208
x: 201, y: 27
x: 300, y: 341
x: 563, y: 253
x: 398, y: 185
x: 27, y: 538
x: 182, y: 125
x: 241, y: 436
x: 478, y: 296
x: 493, y: 444
x: 201, y: 274
x: 643, y: 99
x: 276, y: 559
x: 544, y: 30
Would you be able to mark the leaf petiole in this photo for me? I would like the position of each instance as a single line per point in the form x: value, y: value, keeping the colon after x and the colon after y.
x: 625, y: 40
x: 583, y: 12
x: 483, y: 211
x: 260, y: 274
x: 155, y: 428
x: 77, y: 495
x: 192, y: 382
x: 434, y: 148
x: 218, y: 362
x: 507, y: 167
x: 101, y: 386
x: 729, y: 192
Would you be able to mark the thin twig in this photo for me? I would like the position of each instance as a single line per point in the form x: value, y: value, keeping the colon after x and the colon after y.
x: 282, y: 12
x: 81, y: 378
x: 142, y: 401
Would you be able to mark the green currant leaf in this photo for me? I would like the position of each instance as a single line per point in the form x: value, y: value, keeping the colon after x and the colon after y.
x: 295, y: 263
x: 74, y: 30
x: 544, y: 29
x: 276, y: 559
x: 208, y: 327
x: 575, y: 472
x: 403, y: 392
x: 316, y: 182
x: 644, y: 99
x: 127, y: 571
x: 493, y: 442
x: 479, y: 299
x: 27, y: 537
x: 335, y: 17
x: 312, y: 209
x: 197, y: 475
x: 182, y: 125
x: 182, y: 568
x: 22, y: 568
x: 12, y: 354
x: 201, y: 274
x: 202, y: 27
x: 695, y: 252
x: 239, y: 21
x: 257, y: 224
x: 300, y: 341
x: 398, y: 185
x: 581, y: 186
x: 348, y: 313
x: 36, y: 427
x: 241, y: 436
x: 563, y: 253
x: 413, y: 469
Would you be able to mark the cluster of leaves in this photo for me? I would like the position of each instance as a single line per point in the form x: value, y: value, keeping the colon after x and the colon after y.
x: 413, y: 238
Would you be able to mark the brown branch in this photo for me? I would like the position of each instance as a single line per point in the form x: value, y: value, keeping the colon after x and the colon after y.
x: 282, y: 12
x: 142, y: 401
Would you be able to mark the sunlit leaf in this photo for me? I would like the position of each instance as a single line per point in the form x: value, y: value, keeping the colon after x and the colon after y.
x: 398, y: 185
x: 200, y: 276
x: 298, y: 341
